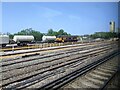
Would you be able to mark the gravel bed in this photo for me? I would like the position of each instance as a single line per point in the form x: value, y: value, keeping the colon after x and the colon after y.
x: 41, y: 65
x: 84, y: 63
x: 21, y: 70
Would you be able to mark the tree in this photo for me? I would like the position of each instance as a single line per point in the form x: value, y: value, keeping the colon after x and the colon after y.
x: 37, y: 35
x: 10, y: 35
x: 50, y: 32
x: 61, y: 32
x: 104, y: 35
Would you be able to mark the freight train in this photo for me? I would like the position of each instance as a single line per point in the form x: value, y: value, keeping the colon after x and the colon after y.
x: 60, y: 38
x: 20, y: 40
x: 63, y: 38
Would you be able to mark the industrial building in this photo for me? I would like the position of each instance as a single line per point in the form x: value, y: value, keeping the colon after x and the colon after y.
x: 112, y: 26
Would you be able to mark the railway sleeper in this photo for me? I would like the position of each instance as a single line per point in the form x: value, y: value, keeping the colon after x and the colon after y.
x: 96, y: 81
x: 45, y: 65
x: 47, y: 87
x: 20, y: 66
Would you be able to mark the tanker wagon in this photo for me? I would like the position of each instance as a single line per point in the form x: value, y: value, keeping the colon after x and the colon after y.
x: 48, y: 39
x: 23, y: 40
x: 4, y: 40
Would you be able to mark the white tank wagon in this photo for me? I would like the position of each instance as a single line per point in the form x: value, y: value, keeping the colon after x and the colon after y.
x: 48, y: 38
x: 4, y: 40
x: 22, y: 40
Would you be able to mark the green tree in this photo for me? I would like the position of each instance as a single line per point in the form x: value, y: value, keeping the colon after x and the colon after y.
x: 61, y: 32
x: 10, y: 35
x: 50, y: 32
x: 37, y: 35
x: 104, y: 35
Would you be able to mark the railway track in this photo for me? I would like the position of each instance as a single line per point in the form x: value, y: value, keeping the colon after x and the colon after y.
x: 56, y: 84
x: 31, y: 73
x: 15, y: 47
x: 97, y: 78
x: 34, y: 46
x: 41, y: 45
x: 22, y: 53
x: 114, y: 83
x: 31, y: 52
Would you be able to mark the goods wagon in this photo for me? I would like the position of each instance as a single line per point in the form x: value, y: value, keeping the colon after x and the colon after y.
x: 4, y: 40
x: 48, y: 38
x: 22, y: 40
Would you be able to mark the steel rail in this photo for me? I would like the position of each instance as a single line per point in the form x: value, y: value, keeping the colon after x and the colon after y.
x: 31, y: 81
x: 52, y: 48
x: 94, y: 53
x: 63, y: 80
x: 107, y: 82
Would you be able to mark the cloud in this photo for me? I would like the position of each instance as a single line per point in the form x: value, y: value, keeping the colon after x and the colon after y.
x: 51, y: 13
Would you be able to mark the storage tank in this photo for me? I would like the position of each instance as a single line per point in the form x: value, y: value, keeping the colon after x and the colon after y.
x: 48, y: 38
x: 112, y: 26
x: 4, y: 40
